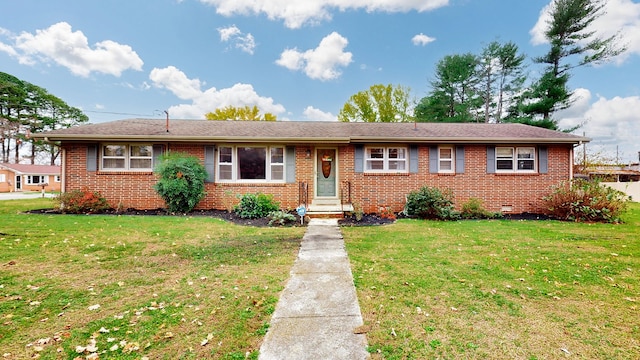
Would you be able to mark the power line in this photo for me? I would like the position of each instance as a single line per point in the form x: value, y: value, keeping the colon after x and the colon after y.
x: 117, y: 113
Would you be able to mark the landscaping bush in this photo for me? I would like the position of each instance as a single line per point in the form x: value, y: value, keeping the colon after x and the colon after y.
x: 280, y: 218
x: 474, y: 209
x: 253, y: 206
x: 181, y: 182
x: 584, y: 200
x: 81, y: 202
x: 431, y: 203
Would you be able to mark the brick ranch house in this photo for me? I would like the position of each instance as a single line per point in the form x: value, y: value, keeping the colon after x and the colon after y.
x: 327, y: 166
x: 28, y: 177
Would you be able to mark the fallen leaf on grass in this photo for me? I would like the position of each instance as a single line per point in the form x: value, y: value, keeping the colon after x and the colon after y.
x: 206, y: 341
x: 363, y: 329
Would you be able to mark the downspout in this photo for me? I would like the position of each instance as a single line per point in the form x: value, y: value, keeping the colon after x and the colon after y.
x: 63, y: 171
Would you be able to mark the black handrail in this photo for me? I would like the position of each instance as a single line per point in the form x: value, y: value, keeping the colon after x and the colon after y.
x: 303, y: 194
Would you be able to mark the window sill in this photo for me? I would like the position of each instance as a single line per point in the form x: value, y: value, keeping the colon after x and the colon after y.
x: 516, y: 174
x: 386, y: 174
x: 124, y: 172
x: 236, y: 184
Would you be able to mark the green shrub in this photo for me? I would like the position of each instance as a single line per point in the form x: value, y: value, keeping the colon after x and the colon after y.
x: 253, y: 206
x: 82, y: 202
x: 474, y: 209
x: 181, y: 182
x: 583, y: 200
x: 431, y: 203
x: 280, y: 218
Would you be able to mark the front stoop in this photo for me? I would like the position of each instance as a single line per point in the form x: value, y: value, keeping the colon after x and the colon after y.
x: 328, y: 209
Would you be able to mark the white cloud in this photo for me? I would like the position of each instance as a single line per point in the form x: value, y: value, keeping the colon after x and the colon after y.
x: 298, y: 13
x: 59, y: 44
x: 611, y: 123
x: 313, y: 114
x: 246, y: 43
x: 422, y: 39
x: 621, y: 17
x: 202, y: 102
x: 321, y: 63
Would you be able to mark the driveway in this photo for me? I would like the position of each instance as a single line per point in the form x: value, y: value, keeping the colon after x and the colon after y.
x: 23, y: 195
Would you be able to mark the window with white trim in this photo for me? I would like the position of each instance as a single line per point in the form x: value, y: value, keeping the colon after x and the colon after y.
x: 56, y: 178
x: 385, y: 159
x: 446, y: 159
x: 251, y: 163
x: 3, y: 178
x: 516, y: 159
x: 36, y: 179
x: 126, y: 157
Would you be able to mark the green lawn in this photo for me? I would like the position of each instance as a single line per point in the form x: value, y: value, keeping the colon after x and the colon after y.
x: 126, y: 287
x: 499, y: 289
x: 197, y: 287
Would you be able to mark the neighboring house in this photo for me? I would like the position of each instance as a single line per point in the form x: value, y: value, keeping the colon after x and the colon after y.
x: 24, y: 177
x: 327, y: 166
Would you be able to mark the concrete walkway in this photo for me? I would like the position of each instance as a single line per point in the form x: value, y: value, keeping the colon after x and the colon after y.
x: 318, y: 309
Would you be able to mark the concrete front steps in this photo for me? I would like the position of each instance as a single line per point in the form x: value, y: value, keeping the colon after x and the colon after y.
x: 330, y: 208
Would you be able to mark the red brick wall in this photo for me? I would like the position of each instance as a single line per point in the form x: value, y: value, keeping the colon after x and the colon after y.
x: 521, y: 192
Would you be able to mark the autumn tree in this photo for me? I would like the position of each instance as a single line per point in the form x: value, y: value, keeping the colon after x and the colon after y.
x: 240, y: 113
x: 380, y: 103
x: 573, y: 44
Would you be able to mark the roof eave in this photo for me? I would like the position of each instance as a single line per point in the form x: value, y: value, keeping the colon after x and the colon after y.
x: 313, y: 140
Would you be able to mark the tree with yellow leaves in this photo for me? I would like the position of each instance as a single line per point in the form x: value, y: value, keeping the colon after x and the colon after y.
x: 240, y: 113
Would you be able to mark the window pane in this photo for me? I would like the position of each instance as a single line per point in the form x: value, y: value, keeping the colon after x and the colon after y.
x: 226, y: 172
x: 504, y: 165
x: 114, y: 150
x: 277, y: 155
x: 277, y: 172
x: 526, y: 153
x: 446, y: 153
x: 503, y: 152
x: 375, y: 165
x: 445, y: 165
x: 141, y: 150
x: 113, y: 163
x: 226, y: 155
x: 525, y: 165
x: 141, y: 163
x: 377, y: 153
x: 396, y: 164
x: 252, y: 163
x: 395, y: 153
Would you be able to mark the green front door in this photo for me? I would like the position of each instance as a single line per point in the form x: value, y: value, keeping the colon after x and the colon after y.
x: 326, y: 172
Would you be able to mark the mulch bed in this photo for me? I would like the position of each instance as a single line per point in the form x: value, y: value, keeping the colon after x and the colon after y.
x: 367, y: 219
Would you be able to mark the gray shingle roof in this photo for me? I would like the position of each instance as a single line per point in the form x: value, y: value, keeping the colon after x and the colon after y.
x: 309, y: 132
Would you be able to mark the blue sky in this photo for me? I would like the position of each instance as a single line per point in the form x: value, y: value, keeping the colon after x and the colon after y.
x: 300, y: 60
